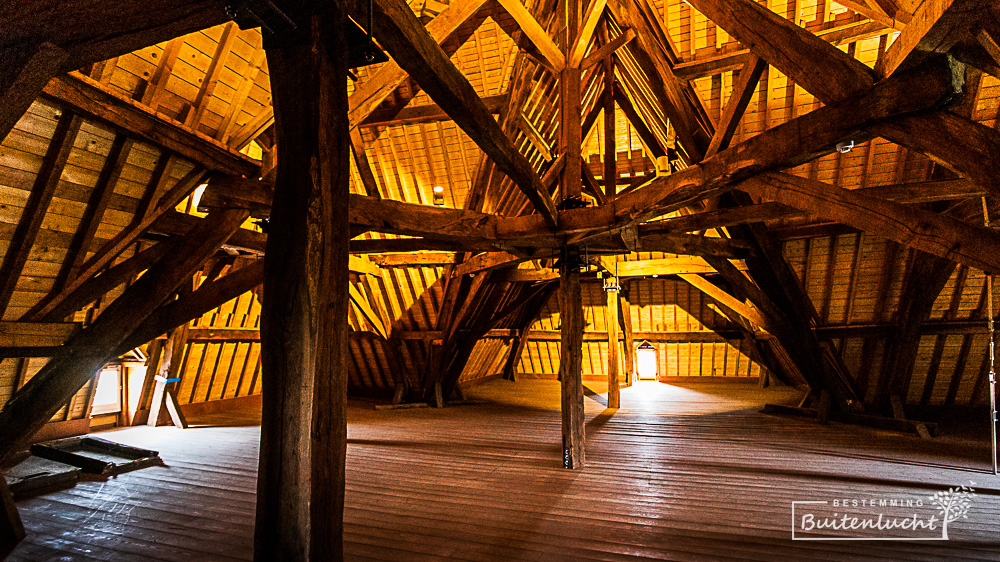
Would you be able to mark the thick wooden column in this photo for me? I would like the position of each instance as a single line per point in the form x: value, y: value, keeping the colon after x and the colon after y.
x: 611, y: 319
x: 300, y: 498
x: 571, y: 366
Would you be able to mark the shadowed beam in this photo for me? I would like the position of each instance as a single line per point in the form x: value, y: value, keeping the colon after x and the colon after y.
x: 89, y: 97
x: 936, y: 27
x: 35, y: 403
x: 412, y: 47
x: 42, y: 39
x: 833, y: 77
x: 910, y: 226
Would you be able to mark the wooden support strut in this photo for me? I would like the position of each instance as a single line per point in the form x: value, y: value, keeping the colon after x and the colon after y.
x: 571, y: 369
x: 36, y: 402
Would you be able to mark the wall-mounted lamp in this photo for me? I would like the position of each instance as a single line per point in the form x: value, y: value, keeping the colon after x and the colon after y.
x: 438, y: 195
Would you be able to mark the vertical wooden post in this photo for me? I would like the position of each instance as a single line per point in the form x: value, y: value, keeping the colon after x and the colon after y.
x: 570, y: 299
x: 610, y: 152
x: 300, y: 497
x: 571, y: 365
x: 625, y: 318
x: 611, y: 319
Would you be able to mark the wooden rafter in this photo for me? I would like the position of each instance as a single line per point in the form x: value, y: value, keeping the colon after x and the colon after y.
x: 414, y: 49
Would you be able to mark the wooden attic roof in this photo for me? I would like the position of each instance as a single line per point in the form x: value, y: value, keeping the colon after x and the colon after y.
x: 162, y: 112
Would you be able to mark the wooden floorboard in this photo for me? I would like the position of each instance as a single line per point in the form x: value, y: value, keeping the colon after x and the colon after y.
x: 681, y: 472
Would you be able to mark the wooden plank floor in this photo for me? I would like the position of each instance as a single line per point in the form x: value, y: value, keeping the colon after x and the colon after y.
x: 685, y: 472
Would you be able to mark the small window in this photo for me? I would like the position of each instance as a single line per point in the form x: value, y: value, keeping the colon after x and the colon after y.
x: 645, y: 361
x: 108, y: 394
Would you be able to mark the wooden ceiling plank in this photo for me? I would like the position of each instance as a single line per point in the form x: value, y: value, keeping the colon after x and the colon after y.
x: 158, y: 81
x: 211, y: 80
x: 910, y: 226
x: 23, y: 77
x: 37, y: 204
x: 59, y: 380
x: 936, y: 27
x: 249, y: 78
x: 743, y: 90
x: 403, y: 35
x: 100, y: 196
x: 89, y: 97
x: 114, y: 247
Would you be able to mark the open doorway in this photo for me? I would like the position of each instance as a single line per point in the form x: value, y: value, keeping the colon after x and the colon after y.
x: 645, y: 361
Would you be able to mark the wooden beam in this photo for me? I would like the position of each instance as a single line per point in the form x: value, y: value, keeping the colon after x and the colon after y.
x: 429, y: 113
x: 209, y: 296
x: 743, y: 90
x: 607, y: 49
x: 369, y: 314
x: 37, y: 204
x: 165, y: 384
x: 927, y: 277
x: 23, y: 76
x: 571, y: 369
x: 910, y: 226
x: 583, y: 39
x: 936, y: 27
x: 693, y: 245
x: 100, y: 196
x: 625, y: 320
x: 211, y: 79
x: 679, y: 102
x: 114, y: 247
x: 93, y: 288
x: 534, y: 137
x: 372, y: 92
x: 551, y: 54
x: 11, y: 527
x: 719, y: 218
x: 89, y: 97
x: 610, y: 128
x: 611, y: 321
x: 304, y: 312
x: 422, y: 259
x: 61, y: 378
x: 833, y: 76
x: 730, y: 302
x: 787, y: 47
x: 701, y: 67
x: 412, y: 47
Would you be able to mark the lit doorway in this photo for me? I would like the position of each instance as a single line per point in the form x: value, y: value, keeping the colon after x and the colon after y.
x: 108, y: 396
x: 645, y: 361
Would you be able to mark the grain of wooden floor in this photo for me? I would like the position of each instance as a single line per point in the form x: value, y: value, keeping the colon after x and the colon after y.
x: 685, y: 472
